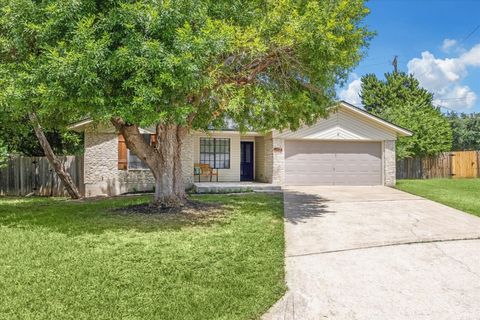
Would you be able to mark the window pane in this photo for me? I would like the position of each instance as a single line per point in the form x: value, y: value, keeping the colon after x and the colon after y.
x: 134, y: 162
x: 215, y: 152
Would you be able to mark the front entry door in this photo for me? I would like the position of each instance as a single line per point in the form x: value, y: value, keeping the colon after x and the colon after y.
x: 246, y: 161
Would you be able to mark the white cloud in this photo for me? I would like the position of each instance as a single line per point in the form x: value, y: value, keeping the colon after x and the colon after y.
x: 448, y: 45
x: 472, y: 57
x: 456, y: 97
x: 352, y: 93
x: 443, y: 77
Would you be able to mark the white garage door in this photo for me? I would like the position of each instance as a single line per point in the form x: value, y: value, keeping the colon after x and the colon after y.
x: 333, y: 163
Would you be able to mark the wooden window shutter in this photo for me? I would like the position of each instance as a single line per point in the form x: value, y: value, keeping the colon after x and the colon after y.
x: 122, y: 153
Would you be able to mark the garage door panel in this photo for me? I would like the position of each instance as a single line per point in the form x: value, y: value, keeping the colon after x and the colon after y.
x: 309, y: 179
x: 332, y: 163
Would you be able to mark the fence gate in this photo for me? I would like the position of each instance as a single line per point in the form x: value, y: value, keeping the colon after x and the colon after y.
x: 464, y: 164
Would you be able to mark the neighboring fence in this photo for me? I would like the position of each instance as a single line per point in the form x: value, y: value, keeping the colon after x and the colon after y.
x: 34, y: 175
x: 457, y: 164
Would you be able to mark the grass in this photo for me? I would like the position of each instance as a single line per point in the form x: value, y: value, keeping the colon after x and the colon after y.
x: 62, y: 259
x: 462, y: 194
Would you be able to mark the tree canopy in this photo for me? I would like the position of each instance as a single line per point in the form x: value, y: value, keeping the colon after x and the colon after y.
x: 264, y: 64
x: 466, y: 130
x: 401, y: 100
x: 178, y: 64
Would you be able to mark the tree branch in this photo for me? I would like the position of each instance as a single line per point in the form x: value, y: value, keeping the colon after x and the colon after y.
x: 136, y: 143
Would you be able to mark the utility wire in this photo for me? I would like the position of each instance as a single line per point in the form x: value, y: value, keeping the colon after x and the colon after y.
x: 447, y: 99
x: 470, y: 34
x: 443, y: 107
x: 461, y: 41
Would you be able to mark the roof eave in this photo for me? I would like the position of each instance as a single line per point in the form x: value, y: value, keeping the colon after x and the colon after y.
x: 80, y: 125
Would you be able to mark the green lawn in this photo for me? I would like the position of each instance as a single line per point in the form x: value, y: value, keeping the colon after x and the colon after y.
x: 62, y: 259
x: 462, y: 194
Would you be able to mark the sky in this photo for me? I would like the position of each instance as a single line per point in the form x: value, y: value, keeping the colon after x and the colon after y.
x: 438, y: 41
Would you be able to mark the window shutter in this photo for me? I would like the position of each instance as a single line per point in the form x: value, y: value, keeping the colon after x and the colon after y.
x: 122, y: 153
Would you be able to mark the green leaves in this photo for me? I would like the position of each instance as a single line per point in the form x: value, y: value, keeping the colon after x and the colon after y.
x: 466, y: 130
x: 401, y: 100
x: 3, y: 154
x: 263, y: 64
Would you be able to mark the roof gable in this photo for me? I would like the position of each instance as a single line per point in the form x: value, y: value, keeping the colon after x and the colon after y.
x: 347, y: 123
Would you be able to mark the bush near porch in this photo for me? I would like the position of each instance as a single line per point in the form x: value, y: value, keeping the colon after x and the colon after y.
x: 63, y: 259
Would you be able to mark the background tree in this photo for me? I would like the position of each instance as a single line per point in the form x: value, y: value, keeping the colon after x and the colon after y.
x: 20, y: 139
x: 190, y: 64
x: 400, y: 100
x: 466, y: 130
x: 27, y: 28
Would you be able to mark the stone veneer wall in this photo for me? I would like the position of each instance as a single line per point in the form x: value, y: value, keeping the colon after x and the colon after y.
x: 274, y: 160
x: 102, y: 176
x: 278, y: 161
x: 389, y: 163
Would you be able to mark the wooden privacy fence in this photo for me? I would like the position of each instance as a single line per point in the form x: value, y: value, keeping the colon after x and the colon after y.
x: 34, y: 175
x: 456, y: 164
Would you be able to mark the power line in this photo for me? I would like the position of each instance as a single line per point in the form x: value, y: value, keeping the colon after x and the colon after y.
x: 445, y: 99
x: 461, y: 41
x: 373, y: 64
x: 470, y: 34
x: 440, y: 106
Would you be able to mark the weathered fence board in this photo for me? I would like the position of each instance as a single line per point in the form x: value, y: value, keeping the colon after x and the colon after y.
x: 458, y: 164
x: 27, y: 175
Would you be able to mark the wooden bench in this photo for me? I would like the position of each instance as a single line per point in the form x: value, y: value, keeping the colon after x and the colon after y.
x: 203, y: 170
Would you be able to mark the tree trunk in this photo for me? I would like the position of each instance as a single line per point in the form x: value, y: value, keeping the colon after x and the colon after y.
x: 163, y: 159
x: 54, y: 161
x: 169, y: 191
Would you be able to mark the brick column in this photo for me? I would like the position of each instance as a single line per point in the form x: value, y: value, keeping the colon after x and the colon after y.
x: 389, y: 163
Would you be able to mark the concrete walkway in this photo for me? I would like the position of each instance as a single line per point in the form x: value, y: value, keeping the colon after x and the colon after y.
x: 377, y: 253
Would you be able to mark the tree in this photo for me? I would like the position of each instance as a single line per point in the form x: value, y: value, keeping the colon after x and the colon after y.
x: 3, y: 154
x: 400, y: 100
x: 26, y: 30
x: 20, y: 139
x: 189, y: 65
x: 466, y: 130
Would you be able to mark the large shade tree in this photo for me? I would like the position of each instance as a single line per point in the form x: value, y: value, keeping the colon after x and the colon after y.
x: 191, y: 64
x: 400, y: 99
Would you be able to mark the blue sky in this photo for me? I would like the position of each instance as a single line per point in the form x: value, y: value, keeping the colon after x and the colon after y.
x: 438, y: 41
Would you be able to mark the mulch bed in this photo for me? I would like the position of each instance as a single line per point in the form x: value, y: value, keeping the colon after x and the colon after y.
x: 190, y: 208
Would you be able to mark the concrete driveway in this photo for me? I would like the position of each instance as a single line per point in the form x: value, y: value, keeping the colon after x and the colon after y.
x: 377, y: 253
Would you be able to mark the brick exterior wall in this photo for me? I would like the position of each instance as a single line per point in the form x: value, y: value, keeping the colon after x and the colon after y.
x: 278, y: 151
x: 102, y: 176
x: 274, y: 160
x: 389, y: 163
x: 187, y: 161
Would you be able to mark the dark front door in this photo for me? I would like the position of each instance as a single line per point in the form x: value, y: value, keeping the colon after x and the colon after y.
x: 246, y: 161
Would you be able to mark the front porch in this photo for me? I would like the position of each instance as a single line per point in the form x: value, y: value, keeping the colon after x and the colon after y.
x: 235, y: 187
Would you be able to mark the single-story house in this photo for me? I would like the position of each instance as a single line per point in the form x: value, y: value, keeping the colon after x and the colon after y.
x: 350, y: 147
